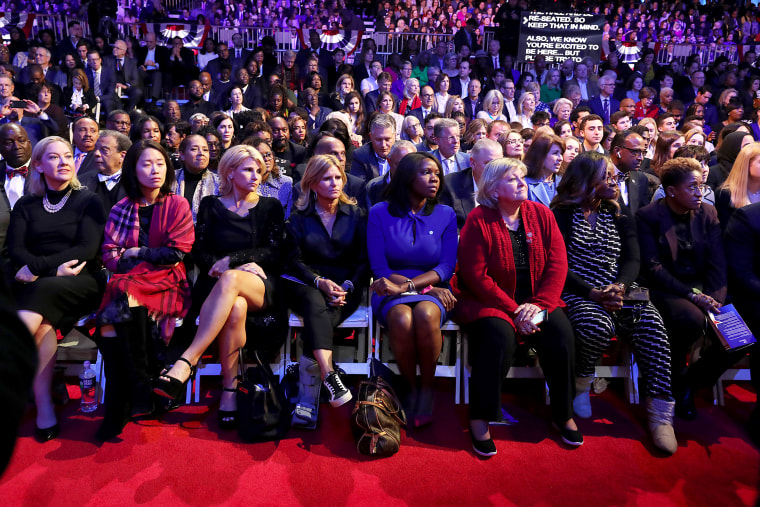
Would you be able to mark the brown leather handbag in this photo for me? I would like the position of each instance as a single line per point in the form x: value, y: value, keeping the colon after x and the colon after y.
x: 377, y: 418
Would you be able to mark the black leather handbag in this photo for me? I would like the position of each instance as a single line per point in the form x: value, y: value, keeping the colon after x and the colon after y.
x: 263, y: 410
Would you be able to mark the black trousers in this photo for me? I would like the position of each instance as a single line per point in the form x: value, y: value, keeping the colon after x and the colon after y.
x: 686, y: 323
x: 320, y: 319
x: 749, y: 309
x: 492, y: 346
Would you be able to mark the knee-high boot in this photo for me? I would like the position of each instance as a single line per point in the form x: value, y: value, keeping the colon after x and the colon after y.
x: 136, y: 337
x: 117, y: 389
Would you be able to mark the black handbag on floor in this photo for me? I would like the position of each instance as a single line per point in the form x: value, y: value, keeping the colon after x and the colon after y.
x: 263, y: 411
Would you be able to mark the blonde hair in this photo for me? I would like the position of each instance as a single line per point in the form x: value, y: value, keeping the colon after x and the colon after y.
x: 37, y: 184
x: 736, y: 182
x: 694, y: 132
x: 231, y: 160
x: 450, y: 104
x: 316, y: 168
x: 493, y: 173
x: 490, y: 97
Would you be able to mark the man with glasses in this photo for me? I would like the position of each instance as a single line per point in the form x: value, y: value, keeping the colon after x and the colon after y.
x: 447, y: 133
x: 384, y: 83
x: 120, y: 121
x: 604, y: 104
x: 110, y: 150
x: 427, y: 100
x: 626, y: 153
x: 508, y: 91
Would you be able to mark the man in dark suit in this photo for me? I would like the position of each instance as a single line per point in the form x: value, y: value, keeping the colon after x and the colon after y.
x: 84, y: 136
x: 102, y: 80
x: 604, y: 104
x: 466, y: 36
x: 626, y: 153
x: 704, y: 94
x: 181, y: 64
x: 251, y: 94
x: 384, y: 83
x: 285, y: 149
x: 126, y: 75
x: 460, y: 83
x: 36, y: 76
x: 589, y: 89
x: 69, y: 44
x: 688, y: 92
x: 152, y: 61
x: 214, y: 67
x: 16, y: 150
x: 460, y: 190
x: 238, y: 54
x: 473, y: 104
x: 51, y: 73
x: 195, y: 103
x: 371, y: 160
x: 315, y: 47
x: 376, y: 186
x: 326, y: 143
x: 427, y: 100
x: 110, y: 150
x: 447, y: 135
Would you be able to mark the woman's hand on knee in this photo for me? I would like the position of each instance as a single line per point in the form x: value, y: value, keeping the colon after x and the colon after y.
x: 444, y: 296
x: 70, y: 268
x: 384, y: 287
x: 253, y: 268
x: 24, y: 275
x: 219, y: 267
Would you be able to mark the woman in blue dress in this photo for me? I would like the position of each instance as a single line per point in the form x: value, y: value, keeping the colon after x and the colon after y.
x: 412, y: 246
x: 543, y: 160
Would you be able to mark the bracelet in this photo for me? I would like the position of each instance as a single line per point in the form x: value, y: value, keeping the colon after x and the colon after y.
x: 316, y: 281
x: 411, y: 286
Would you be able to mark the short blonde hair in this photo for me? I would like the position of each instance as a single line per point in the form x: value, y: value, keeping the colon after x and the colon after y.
x: 316, y: 168
x: 736, y: 182
x: 494, y: 172
x: 37, y: 183
x: 231, y: 160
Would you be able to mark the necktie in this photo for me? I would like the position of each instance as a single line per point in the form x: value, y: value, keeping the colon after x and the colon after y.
x: 21, y: 171
x: 78, y: 161
x: 606, y: 109
x: 110, y: 179
x: 495, y: 62
x: 97, y: 84
x: 118, y: 65
x: 238, y: 53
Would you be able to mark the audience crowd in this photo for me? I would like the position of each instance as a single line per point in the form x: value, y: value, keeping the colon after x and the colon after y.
x: 530, y: 204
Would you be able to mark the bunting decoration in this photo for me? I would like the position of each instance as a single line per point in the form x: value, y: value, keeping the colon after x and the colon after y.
x: 334, y: 39
x: 21, y: 20
x: 192, y: 35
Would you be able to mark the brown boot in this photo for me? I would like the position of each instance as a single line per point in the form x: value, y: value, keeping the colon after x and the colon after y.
x: 661, y: 424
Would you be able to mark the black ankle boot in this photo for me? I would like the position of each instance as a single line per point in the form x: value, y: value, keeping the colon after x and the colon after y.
x: 116, y: 404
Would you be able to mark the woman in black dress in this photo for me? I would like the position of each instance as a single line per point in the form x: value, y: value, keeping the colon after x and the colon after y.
x: 238, y: 252
x: 53, y: 241
x: 327, y: 274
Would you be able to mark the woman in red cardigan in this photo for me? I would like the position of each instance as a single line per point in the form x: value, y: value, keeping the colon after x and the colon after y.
x: 512, y: 265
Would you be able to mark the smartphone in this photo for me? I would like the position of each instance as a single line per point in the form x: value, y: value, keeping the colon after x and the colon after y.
x: 17, y: 104
x: 540, y: 317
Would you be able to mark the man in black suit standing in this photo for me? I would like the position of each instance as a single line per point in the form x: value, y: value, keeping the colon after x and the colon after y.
x: 626, y: 153
x: 110, y: 150
x: 371, y: 160
x: 238, y: 54
x: 462, y: 187
x: 69, y: 44
x: 473, y: 104
x: 214, y: 67
x: 376, y: 186
x: 102, y: 80
x: 126, y: 75
x: 315, y: 47
x: 152, y: 61
x: 466, y: 36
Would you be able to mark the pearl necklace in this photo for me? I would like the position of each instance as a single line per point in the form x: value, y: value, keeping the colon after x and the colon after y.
x: 55, y: 208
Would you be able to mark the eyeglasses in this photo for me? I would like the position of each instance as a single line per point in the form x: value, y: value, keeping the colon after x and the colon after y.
x: 511, y: 142
x: 635, y: 153
x: 693, y: 189
x: 614, y: 180
x: 268, y: 155
x: 426, y: 95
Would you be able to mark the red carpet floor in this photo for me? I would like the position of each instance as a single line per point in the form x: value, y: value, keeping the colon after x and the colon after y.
x: 185, y: 459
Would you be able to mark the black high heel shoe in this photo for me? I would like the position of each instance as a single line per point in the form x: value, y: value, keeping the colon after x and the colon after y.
x: 228, y: 418
x: 170, y: 387
x: 47, y: 434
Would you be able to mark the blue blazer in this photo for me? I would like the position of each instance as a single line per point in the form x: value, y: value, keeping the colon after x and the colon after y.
x: 463, y: 161
x: 595, y: 104
x: 459, y: 193
x: 365, y: 165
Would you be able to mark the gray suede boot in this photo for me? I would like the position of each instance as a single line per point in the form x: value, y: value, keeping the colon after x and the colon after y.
x: 582, y: 401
